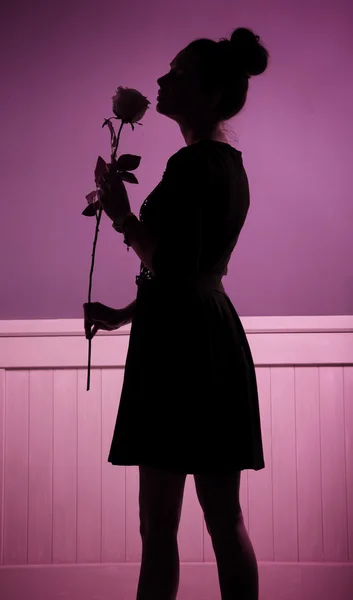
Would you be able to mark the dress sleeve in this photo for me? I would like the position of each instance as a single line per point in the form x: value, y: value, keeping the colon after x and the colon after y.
x: 187, y: 207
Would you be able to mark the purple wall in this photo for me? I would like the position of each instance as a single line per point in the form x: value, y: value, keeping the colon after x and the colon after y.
x: 61, y: 63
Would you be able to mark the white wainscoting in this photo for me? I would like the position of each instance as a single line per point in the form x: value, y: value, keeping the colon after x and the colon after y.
x: 69, y: 525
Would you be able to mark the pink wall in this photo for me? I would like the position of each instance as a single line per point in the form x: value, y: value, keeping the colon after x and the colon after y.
x: 61, y: 62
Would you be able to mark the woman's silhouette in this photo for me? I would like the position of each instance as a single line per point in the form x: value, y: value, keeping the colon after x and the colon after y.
x: 189, y: 401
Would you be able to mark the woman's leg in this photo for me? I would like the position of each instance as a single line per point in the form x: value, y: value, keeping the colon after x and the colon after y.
x: 160, y: 498
x: 235, y: 556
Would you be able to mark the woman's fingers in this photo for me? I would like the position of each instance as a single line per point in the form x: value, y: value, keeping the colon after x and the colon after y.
x: 111, y: 182
x: 90, y: 333
x: 87, y: 329
x: 104, y: 182
x: 94, y: 331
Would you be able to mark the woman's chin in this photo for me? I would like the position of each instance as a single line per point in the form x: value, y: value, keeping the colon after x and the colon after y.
x: 159, y: 105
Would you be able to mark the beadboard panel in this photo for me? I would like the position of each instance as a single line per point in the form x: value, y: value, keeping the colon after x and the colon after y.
x: 62, y: 504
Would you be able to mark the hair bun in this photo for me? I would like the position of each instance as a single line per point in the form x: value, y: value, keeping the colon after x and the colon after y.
x: 248, y: 51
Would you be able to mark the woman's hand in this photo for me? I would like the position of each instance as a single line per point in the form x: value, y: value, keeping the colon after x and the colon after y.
x: 114, y: 198
x: 101, y: 317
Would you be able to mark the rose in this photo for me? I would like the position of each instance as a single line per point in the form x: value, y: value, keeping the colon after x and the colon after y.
x: 129, y: 104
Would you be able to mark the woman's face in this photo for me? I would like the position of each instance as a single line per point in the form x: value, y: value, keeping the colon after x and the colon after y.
x: 181, y: 97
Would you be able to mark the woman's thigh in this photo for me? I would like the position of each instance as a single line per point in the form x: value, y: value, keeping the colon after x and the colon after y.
x: 218, y: 495
x: 160, y: 501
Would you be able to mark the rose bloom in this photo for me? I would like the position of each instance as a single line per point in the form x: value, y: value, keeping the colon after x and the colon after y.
x: 129, y: 104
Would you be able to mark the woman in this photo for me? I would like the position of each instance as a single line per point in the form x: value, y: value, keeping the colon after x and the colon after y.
x: 189, y: 401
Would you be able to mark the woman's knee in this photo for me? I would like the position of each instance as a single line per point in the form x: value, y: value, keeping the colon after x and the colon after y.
x: 219, y: 499
x: 160, y: 502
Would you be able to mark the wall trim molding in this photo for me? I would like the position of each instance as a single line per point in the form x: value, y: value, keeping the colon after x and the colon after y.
x: 274, y: 341
x: 265, y: 324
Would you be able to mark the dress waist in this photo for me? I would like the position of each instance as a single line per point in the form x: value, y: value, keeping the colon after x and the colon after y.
x: 200, y: 283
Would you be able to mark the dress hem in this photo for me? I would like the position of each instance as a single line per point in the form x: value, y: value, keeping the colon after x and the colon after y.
x: 192, y: 470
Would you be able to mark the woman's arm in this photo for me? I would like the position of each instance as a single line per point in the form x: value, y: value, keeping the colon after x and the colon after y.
x: 124, y: 315
x: 140, y: 239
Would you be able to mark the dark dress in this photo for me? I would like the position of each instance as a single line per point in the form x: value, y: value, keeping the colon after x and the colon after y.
x: 189, y: 401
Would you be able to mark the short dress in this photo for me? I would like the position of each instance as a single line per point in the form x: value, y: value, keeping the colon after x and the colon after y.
x: 189, y: 400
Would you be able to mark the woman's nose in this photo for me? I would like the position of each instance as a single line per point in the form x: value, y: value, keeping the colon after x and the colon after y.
x: 161, y: 80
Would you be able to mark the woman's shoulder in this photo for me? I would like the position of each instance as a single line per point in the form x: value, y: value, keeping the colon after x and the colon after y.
x: 204, y: 150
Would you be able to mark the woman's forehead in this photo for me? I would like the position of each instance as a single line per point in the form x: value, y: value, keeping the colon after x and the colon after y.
x: 185, y: 58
